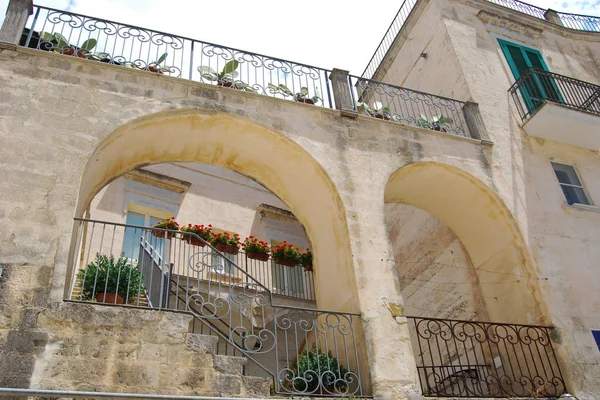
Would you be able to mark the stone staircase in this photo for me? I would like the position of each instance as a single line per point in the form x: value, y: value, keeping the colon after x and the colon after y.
x: 230, y: 378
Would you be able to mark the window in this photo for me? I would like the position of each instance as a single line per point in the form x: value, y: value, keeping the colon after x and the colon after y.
x: 133, y: 236
x: 287, y: 280
x: 596, y: 335
x: 537, y: 88
x: 570, y: 183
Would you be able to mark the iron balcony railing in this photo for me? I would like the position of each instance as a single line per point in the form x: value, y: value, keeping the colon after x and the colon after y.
x: 409, y: 107
x: 157, y: 52
x: 536, y: 86
x: 482, y: 359
x: 304, y: 350
x: 572, y: 21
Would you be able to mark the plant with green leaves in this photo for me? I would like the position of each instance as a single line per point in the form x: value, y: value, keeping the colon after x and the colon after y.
x: 59, y: 44
x: 436, y: 122
x: 156, y: 67
x: 109, y: 275
x: 316, y: 368
x: 226, y: 77
x: 302, y: 96
x: 378, y: 111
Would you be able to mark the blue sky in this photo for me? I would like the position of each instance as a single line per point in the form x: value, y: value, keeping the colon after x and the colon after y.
x: 324, y: 33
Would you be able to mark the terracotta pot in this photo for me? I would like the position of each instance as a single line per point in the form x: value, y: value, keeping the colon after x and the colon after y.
x: 258, y: 256
x: 225, y: 84
x: 439, y: 129
x: 194, y: 241
x: 231, y: 249
x: 221, y: 247
x: 381, y: 116
x: 154, y: 69
x: 305, y: 101
x: 110, y: 298
x: 71, y: 50
x: 162, y: 234
x: 308, y: 267
x: 287, y: 263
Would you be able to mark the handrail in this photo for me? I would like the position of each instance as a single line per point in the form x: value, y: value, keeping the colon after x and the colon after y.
x: 111, y: 42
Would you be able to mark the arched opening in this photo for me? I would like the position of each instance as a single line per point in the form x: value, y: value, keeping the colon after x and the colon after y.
x: 468, y: 285
x: 146, y: 152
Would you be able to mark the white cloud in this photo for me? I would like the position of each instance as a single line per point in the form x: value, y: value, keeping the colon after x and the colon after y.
x: 324, y: 33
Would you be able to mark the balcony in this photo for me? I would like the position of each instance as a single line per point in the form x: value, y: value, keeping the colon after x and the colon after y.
x: 557, y: 107
x: 168, y: 55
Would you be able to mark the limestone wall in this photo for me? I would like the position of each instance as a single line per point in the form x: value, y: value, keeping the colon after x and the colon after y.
x: 330, y: 171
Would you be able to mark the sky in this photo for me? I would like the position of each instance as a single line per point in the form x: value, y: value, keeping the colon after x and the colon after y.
x: 323, y: 33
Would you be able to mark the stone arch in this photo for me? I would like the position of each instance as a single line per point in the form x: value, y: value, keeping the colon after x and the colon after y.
x: 251, y: 149
x: 486, y: 229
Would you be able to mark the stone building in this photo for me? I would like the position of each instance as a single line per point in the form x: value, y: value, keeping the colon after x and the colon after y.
x: 446, y: 195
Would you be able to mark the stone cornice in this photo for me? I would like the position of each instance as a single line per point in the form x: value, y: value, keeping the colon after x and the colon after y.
x: 510, y: 24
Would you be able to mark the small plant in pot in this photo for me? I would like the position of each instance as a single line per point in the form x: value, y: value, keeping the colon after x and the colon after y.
x: 169, y: 224
x: 301, y: 97
x: 226, y: 77
x: 319, y: 372
x: 256, y: 249
x: 226, y: 243
x: 436, y: 122
x: 204, y: 232
x: 286, y: 254
x: 110, y: 281
x: 58, y: 43
x: 306, y: 260
x: 377, y: 111
x: 155, y: 66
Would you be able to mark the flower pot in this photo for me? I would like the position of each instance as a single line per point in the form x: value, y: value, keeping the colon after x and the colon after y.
x: 231, y: 249
x: 287, y: 263
x: 194, y: 241
x: 305, y: 101
x: 110, y: 298
x: 221, y: 247
x: 258, y: 256
x: 225, y: 84
x: 71, y: 50
x: 154, y: 69
x: 439, y: 129
x: 308, y: 267
x: 382, y: 116
x: 162, y: 234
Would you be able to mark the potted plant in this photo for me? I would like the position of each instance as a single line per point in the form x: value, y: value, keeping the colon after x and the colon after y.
x: 226, y: 243
x: 306, y: 260
x: 256, y: 249
x: 60, y: 45
x: 155, y: 66
x: 319, y: 372
x: 109, y: 280
x: 301, y: 97
x: 168, y: 223
x: 378, y: 111
x: 286, y: 254
x: 204, y: 232
x: 226, y: 77
x: 436, y: 122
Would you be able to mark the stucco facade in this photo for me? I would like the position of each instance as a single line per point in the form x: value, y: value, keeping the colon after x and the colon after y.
x: 402, y: 220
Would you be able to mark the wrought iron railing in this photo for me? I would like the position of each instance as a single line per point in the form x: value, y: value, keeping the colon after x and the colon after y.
x: 389, y: 37
x: 572, y: 21
x: 157, y: 52
x: 536, y: 86
x: 305, y: 351
x: 409, y: 107
x: 482, y: 359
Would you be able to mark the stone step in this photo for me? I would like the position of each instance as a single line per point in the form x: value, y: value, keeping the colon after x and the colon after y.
x: 201, y: 343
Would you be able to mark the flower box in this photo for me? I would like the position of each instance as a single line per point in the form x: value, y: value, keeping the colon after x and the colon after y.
x: 255, y: 255
x: 227, y: 248
x: 162, y: 234
x: 287, y: 263
x: 194, y: 241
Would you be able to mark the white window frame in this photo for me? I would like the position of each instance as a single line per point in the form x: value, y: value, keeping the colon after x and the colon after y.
x: 582, y: 186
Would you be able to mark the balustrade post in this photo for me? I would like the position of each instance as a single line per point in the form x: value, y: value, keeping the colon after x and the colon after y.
x: 341, y: 92
x: 552, y: 16
x: 17, y: 13
x: 475, y: 122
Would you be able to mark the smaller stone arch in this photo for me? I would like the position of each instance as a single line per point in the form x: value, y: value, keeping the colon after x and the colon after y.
x: 486, y: 229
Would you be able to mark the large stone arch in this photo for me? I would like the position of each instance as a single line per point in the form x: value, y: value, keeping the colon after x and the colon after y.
x: 244, y: 146
x: 487, y: 230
